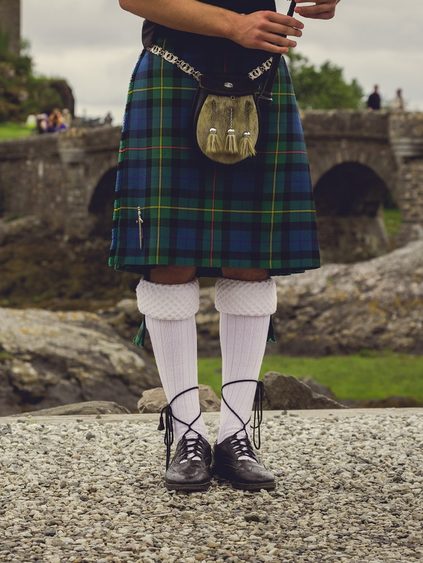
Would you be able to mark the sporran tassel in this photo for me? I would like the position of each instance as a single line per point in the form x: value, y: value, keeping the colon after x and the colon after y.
x: 231, y: 146
x: 213, y: 142
x: 246, y: 147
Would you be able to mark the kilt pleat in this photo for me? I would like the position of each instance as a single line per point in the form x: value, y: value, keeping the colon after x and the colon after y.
x: 175, y: 207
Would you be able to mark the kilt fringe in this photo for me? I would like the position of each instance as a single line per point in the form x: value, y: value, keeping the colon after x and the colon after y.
x: 139, y: 338
x: 271, y: 332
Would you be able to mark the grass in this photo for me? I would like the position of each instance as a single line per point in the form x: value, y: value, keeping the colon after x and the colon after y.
x: 10, y: 131
x: 392, y: 219
x: 368, y: 375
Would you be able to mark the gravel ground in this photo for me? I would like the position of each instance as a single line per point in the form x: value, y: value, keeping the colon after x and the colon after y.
x: 85, y: 490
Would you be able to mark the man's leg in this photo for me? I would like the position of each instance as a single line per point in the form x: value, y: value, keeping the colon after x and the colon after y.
x: 245, y: 308
x: 169, y: 304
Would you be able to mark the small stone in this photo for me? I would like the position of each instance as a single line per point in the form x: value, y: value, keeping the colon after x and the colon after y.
x: 7, y: 429
x: 252, y: 517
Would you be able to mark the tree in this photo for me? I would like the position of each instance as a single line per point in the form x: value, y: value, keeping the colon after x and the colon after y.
x: 323, y: 87
x: 22, y: 92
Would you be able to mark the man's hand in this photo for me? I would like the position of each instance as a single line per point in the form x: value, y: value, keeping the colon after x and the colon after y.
x: 320, y: 9
x: 265, y: 30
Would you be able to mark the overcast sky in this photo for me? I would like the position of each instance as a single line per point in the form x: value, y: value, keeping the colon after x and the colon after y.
x: 95, y: 46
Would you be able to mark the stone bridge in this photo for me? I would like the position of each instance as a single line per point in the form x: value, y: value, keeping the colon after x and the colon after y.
x: 360, y: 162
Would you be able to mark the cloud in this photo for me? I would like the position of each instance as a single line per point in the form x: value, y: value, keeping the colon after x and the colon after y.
x: 96, y: 44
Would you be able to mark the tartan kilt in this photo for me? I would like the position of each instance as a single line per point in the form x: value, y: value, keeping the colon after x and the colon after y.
x: 258, y: 213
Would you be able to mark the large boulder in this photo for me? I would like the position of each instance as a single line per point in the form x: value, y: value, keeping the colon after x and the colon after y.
x: 54, y: 358
x: 342, y: 308
x: 287, y: 392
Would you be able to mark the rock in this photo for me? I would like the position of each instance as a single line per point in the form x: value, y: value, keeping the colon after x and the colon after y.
x: 13, y: 228
x: 153, y: 400
x: 85, y: 408
x: 317, y: 387
x: 52, y: 358
x: 343, y: 308
x: 287, y: 392
x: 340, y: 308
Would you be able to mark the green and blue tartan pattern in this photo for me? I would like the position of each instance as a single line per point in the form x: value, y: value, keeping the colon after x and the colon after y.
x: 258, y: 213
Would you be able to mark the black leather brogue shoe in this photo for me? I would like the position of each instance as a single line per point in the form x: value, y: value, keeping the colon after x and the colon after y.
x: 189, y: 469
x: 234, y: 460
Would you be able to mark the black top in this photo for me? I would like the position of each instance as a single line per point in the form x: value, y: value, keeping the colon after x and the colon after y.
x: 374, y: 101
x: 208, y: 45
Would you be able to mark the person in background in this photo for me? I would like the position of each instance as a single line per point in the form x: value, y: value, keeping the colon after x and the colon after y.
x: 374, y: 101
x: 67, y: 117
x: 56, y: 121
x: 108, y: 119
x: 42, y: 123
x: 398, y: 104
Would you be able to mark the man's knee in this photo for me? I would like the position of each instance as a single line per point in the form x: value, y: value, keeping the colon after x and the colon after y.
x: 172, y: 274
x: 246, y: 274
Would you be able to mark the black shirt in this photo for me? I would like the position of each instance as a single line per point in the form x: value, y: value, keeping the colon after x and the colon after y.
x: 208, y: 45
x: 374, y: 101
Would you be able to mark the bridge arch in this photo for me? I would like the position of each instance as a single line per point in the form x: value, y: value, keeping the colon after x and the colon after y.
x: 100, y: 208
x: 379, y: 158
x: 350, y: 199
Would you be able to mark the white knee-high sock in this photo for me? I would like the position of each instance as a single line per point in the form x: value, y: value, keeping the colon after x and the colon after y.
x: 175, y: 351
x: 243, y: 343
x: 245, y: 309
x: 169, y: 311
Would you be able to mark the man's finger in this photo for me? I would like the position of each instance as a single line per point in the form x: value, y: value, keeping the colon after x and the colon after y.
x: 278, y: 40
x: 314, y: 2
x: 285, y: 20
x: 275, y: 28
x: 313, y: 11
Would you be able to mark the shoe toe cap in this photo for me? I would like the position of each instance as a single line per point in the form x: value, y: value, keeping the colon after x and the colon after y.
x: 189, y: 472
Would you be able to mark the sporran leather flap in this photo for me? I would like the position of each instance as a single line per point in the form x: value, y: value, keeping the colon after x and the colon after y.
x: 226, y: 126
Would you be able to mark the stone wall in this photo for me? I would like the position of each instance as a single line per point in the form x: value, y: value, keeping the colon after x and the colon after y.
x: 406, y: 137
x: 56, y: 176
x: 10, y: 22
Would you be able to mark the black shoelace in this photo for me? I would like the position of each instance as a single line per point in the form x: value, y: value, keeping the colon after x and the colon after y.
x: 190, y: 445
x: 242, y: 446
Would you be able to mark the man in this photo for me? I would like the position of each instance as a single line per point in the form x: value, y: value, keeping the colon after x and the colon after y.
x: 177, y: 218
x: 374, y: 100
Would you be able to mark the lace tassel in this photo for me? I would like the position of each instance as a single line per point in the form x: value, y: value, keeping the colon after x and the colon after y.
x: 246, y: 147
x: 166, y: 423
x: 231, y: 145
x: 271, y: 332
x: 139, y: 338
x: 258, y: 413
x: 213, y: 142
